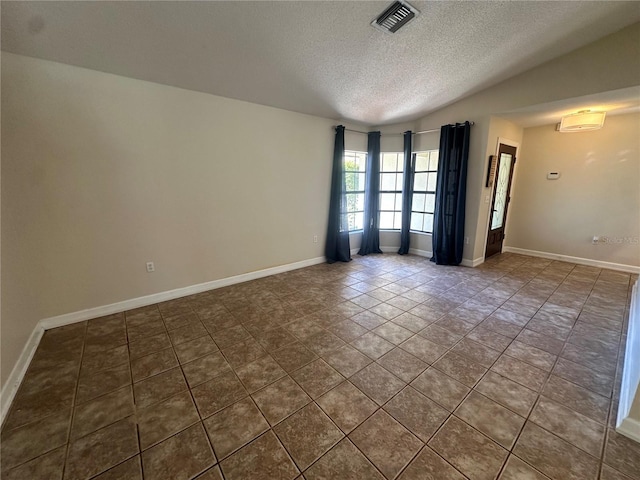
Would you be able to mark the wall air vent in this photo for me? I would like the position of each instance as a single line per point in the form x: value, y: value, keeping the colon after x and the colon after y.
x: 396, y: 16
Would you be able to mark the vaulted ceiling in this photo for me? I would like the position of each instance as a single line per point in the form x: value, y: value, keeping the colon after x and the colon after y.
x: 317, y: 57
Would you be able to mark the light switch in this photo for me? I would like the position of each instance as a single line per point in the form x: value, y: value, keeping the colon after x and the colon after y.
x: 553, y: 175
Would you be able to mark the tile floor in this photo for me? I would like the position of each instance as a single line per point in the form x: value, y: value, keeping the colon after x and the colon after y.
x: 386, y: 367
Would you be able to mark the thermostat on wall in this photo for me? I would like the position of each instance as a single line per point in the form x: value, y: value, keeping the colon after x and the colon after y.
x: 553, y: 175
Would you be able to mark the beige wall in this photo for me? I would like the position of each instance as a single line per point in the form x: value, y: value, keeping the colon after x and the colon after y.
x: 102, y: 173
x: 609, y: 64
x: 598, y: 192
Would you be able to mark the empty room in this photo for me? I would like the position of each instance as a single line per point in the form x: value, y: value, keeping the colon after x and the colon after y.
x: 346, y: 240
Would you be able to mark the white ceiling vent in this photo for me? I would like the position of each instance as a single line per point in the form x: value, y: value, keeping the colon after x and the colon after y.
x: 395, y: 17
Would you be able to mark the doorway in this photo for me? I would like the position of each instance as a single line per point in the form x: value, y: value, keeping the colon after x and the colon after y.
x: 501, y: 198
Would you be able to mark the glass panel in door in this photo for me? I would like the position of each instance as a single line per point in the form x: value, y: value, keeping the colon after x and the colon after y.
x: 502, y: 190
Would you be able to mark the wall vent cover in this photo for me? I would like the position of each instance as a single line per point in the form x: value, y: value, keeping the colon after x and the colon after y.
x: 396, y: 16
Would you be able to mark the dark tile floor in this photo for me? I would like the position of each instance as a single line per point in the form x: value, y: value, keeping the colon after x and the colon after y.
x: 386, y: 367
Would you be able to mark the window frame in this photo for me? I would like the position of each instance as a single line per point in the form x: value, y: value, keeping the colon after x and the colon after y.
x: 399, y: 170
x: 425, y: 192
x: 354, y: 154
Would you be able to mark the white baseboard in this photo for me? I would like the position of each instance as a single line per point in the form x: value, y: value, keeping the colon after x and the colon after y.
x: 630, y: 428
x: 472, y: 263
x: 579, y: 260
x: 10, y: 388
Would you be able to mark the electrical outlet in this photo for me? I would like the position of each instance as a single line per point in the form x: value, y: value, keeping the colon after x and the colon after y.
x: 595, y: 240
x: 150, y: 267
x: 466, y: 240
x: 315, y: 239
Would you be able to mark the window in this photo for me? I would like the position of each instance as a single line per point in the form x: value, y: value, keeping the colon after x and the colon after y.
x: 424, y: 191
x: 354, y: 173
x: 391, y: 175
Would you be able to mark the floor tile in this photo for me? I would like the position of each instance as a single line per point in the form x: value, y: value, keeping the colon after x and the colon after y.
x: 103, y: 360
x: 416, y: 412
x: 28, y: 407
x: 430, y: 466
x: 235, y: 426
x: 597, y: 382
x: 571, y: 426
x: 515, y: 397
x: 476, y: 352
x: 489, y: 338
x: 424, y: 349
x: 205, y: 368
x: 48, y: 466
x: 388, y: 445
x: 148, y: 345
x: 460, y: 368
x: 535, y: 339
x: 317, y: 378
x: 307, y: 435
x: 411, y: 322
x: 490, y: 418
x: 516, y: 469
x: 372, y: 345
x: 377, y: 383
x: 180, y: 457
x: 520, y: 372
x: 97, y: 384
x: 260, y: 373
x: 347, y: 406
x: 440, y: 388
x: 323, y: 343
x: 243, y: 352
x: 609, y: 473
x: 623, y: 454
x: 160, y: 421
x: 368, y: 320
x: 24, y: 443
x: 275, y: 339
x: 153, y: 364
x: 440, y: 336
x: 280, y: 399
x: 101, y: 450
x: 468, y: 450
x: 159, y: 387
x: 218, y: 393
x: 344, y: 461
x: 128, y: 470
x: 402, y: 364
x: 229, y: 336
x: 263, y: 459
x: 393, y: 333
x: 553, y: 456
x: 347, y: 330
x: 293, y: 356
x: 531, y: 355
x: 102, y: 411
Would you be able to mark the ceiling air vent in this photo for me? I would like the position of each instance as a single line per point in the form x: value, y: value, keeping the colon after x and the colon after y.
x: 396, y: 16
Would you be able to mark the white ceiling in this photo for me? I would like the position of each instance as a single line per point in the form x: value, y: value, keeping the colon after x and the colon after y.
x: 316, y: 57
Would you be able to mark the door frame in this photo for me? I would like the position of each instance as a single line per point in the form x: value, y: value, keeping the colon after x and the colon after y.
x: 516, y: 145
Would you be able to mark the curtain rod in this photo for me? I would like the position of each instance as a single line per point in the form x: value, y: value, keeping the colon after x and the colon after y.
x: 400, y: 134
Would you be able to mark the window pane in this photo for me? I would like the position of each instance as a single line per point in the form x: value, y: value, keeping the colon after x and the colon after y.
x: 387, y: 201
x: 416, y: 221
x: 360, y: 202
x: 418, y: 202
x: 422, y: 161
x: 350, y: 181
x: 397, y: 221
x: 399, y: 178
x: 358, y: 220
x: 431, y: 182
x: 386, y: 220
x: 389, y: 162
x: 420, y: 182
x: 433, y: 160
x: 352, y: 202
x: 429, y: 203
x: 428, y: 223
x: 398, y: 202
x: 388, y: 181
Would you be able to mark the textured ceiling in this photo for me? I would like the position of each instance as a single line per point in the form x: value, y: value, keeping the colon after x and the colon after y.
x: 321, y: 58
